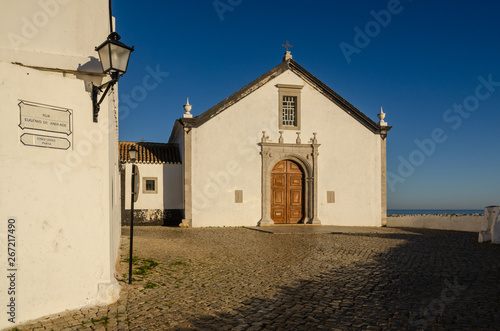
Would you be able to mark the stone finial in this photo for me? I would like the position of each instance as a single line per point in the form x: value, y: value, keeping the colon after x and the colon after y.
x: 280, y: 140
x: 298, y: 141
x: 314, y: 140
x: 288, y: 54
x: 187, y: 109
x: 381, y: 117
x: 264, y: 138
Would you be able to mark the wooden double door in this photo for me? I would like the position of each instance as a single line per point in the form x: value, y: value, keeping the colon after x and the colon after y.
x: 287, y: 193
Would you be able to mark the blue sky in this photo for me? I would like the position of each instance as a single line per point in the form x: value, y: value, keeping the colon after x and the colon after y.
x: 433, y: 65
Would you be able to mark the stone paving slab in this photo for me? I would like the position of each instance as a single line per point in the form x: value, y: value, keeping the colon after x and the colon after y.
x: 238, y: 279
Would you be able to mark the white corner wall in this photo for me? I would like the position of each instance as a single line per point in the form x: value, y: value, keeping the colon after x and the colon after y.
x: 65, y: 202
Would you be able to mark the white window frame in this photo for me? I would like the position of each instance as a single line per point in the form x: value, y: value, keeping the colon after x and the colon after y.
x: 144, y: 186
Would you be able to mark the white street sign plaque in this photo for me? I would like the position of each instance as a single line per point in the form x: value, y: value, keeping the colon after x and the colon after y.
x: 45, y: 141
x: 45, y: 118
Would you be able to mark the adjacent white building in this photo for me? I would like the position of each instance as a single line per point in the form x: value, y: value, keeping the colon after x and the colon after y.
x: 59, y: 177
x: 284, y: 149
x: 160, y: 189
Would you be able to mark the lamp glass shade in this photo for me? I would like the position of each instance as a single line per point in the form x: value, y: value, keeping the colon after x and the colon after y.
x: 104, y: 52
x: 119, y: 57
x: 114, y: 55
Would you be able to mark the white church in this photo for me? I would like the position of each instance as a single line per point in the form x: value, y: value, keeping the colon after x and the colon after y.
x: 284, y: 149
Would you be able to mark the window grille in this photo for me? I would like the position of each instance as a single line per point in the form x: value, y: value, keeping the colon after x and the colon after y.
x: 289, y: 111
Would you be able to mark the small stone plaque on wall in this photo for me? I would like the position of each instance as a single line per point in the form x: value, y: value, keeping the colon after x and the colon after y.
x: 330, y: 196
x: 238, y: 196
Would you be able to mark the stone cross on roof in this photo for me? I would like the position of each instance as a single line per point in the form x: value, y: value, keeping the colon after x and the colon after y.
x: 287, y: 45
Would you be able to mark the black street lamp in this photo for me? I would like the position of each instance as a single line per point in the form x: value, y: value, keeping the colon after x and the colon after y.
x: 114, y: 56
x: 132, y: 153
x: 134, y: 189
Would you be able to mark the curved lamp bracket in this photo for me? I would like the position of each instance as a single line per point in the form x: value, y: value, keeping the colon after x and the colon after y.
x: 95, y: 95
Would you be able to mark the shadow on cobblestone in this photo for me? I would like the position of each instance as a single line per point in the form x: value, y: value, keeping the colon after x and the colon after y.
x: 239, y: 279
x: 433, y: 280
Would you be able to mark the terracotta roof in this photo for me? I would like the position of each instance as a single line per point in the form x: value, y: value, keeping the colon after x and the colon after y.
x: 273, y: 73
x: 150, y: 152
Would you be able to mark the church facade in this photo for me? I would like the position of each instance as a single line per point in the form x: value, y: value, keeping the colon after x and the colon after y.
x: 285, y: 149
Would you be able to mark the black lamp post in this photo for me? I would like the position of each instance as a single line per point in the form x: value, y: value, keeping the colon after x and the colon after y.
x: 114, y: 56
x: 133, y: 188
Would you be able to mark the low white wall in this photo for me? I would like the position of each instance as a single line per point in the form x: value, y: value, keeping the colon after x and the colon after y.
x: 454, y: 222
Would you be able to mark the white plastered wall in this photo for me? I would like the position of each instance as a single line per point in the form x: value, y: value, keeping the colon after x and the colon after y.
x: 65, y: 202
x: 226, y: 158
x: 169, y: 189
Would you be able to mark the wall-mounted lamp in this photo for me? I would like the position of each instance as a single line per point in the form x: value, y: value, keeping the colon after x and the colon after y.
x: 132, y: 152
x: 114, y: 57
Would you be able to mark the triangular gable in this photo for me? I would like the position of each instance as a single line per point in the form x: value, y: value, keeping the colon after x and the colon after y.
x: 273, y: 73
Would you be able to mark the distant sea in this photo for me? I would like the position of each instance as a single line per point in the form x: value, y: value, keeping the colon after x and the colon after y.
x: 433, y: 211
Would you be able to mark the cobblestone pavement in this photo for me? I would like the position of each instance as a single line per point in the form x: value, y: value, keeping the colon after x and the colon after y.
x: 240, y: 279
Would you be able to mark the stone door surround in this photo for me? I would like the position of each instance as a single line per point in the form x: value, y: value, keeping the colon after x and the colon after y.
x: 306, y: 155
